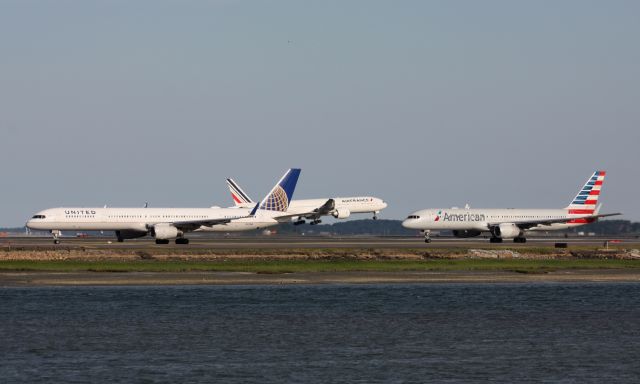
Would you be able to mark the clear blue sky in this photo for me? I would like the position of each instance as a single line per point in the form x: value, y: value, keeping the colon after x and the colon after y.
x: 422, y: 103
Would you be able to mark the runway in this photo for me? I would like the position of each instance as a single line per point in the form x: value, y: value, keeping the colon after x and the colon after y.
x: 299, y: 242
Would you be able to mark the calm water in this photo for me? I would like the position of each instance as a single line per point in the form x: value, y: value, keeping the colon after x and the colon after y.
x: 384, y: 333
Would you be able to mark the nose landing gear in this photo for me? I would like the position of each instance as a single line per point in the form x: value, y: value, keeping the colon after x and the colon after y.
x: 427, y: 236
x: 56, y: 236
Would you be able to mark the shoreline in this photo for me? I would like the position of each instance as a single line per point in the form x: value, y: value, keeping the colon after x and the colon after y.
x: 44, y: 279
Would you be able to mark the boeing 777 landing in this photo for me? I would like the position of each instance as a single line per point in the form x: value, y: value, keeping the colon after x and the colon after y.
x: 313, y: 209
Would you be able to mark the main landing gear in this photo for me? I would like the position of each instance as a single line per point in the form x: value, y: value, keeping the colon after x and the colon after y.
x: 299, y: 222
x: 56, y: 236
x: 179, y: 241
x: 427, y: 236
x: 315, y: 222
x: 495, y: 240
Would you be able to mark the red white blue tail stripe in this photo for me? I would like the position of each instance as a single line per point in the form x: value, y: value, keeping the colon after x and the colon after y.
x: 586, y: 200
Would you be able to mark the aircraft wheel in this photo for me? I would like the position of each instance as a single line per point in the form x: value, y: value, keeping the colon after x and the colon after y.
x: 495, y: 240
x: 182, y: 241
x: 56, y: 241
x: 427, y: 240
x: 162, y: 241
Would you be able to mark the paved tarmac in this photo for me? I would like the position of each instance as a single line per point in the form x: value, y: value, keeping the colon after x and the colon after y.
x: 284, y: 242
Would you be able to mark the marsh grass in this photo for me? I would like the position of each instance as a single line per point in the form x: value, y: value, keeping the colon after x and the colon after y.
x: 272, y: 266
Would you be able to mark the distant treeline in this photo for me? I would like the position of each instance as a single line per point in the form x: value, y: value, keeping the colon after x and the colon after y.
x: 610, y: 227
x: 394, y: 228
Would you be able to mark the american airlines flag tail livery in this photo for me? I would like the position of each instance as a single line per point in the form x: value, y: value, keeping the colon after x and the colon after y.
x: 314, y: 209
x: 165, y: 224
x: 586, y: 201
x: 512, y: 223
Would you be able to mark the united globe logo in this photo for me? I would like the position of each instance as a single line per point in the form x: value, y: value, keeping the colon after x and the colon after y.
x: 277, y: 201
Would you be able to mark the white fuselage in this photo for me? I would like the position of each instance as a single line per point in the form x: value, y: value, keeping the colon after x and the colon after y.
x: 361, y: 204
x: 482, y: 219
x: 141, y: 219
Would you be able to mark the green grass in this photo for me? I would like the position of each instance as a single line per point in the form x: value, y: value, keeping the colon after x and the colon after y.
x: 284, y: 266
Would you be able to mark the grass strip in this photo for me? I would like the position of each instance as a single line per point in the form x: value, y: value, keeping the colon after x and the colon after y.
x: 288, y: 266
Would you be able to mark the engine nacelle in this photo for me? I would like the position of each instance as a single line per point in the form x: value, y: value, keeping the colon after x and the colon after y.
x: 341, y: 213
x: 165, y: 231
x: 507, y: 231
x: 466, y: 233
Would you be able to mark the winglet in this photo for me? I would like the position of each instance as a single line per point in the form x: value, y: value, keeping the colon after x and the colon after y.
x: 253, y: 211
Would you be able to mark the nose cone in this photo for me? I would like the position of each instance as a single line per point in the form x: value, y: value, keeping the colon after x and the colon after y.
x: 407, y: 223
x: 32, y: 224
x: 383, y: 204
x: 412, y: 221
x: 37, y: 221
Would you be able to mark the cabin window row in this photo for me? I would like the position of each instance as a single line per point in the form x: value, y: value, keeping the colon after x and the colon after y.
x: 156, y: 217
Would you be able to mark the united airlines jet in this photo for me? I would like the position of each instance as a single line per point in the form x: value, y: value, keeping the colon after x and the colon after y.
x: 512, y: 223
x: 314, y: 209
x: 165, y: 224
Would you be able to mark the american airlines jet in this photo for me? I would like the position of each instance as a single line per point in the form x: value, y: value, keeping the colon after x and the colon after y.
x: 165, y: 224
x: 313, y: 209
x: 512, y: 223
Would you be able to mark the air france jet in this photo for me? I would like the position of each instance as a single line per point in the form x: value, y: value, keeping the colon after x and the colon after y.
x: 314, y: 209
x: 512, y: 223
x: 165, y: 224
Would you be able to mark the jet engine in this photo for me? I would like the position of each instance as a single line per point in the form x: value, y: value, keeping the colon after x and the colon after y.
x: 165, y: 231
x: 506, y: 231
x: 341, y: 213
x: 466, y: 233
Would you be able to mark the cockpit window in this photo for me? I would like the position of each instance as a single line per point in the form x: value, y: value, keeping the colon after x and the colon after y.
x: 413, y: 217
x: 38, y: 217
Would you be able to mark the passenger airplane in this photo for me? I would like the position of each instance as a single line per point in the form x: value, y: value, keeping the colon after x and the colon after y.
x: 165, y: 224
x: 313, y: 209
x: 512, y: 223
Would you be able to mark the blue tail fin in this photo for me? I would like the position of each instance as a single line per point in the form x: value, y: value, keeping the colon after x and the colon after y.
x: 281, y: 194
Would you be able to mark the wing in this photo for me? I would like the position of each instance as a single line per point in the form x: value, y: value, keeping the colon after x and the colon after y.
x: 323, y: 210
x: 534, y: 223
x: 192, y: 225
